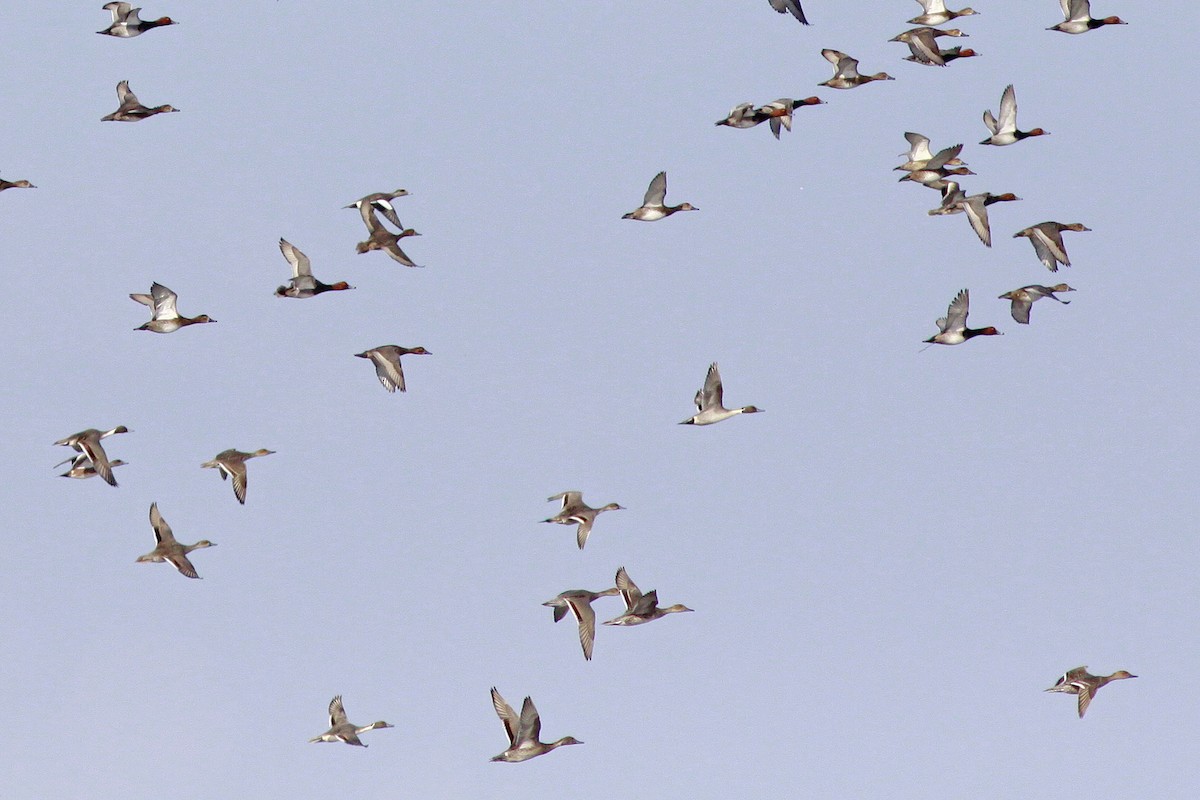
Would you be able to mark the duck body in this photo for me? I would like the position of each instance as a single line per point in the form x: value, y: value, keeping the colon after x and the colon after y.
x: 1047, y: 241
x: 710, y: 400
x: 126, y: 23
x: 952, y: 328
x: 777, y: 113
x: 165, y: 314
x: 21, y: 184
x: 232, y: 464
x: 87, y: 443
x: 652, y: 207
x: 386, y: 359
x: 523, y: 731
x: 923, y: 45
x: 168, y: 549
x: 1004, y: 130
x: 640, y: 608
x: 303, y: 284
x: 1079, y: 18
x: 380, y: 202
x: 1080, y: 682
x: 845, y: 72
x: 954, y: 201
x: 130, y: 109
x: 341, y: 729
x: 946, y: 56
x: 575, y: 512
x: 380, y: 238
x: 936, y: 13
x: 1024, y: 298
x: 579, y: 603
x: 934, y: 171
x: 919, y: 154
x: 82, y: 467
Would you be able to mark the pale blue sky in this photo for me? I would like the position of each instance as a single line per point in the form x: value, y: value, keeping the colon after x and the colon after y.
x: 887, y: 567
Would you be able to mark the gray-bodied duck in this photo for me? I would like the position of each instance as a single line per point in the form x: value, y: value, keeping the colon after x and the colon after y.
x: 88, y: 444
x: 232, y: 464
x: 652, y: 207
x: 922, y: 42
x: 523, y: 731
x: 165, y: 315
x: 83, y: 468
x: 955, y: 201
x: 130, y: 109
x: 1024, y: 298
x: 1047, y: 241
x: 575, y: 511
x: 383, y: 239
x: 579, y: 601
x: 381, y: 202
x: 710, y: 401
x: 1080, y: 682
x: 845, y: 72
x: 640, y: 608
x: 168, y: 548
x: 303, y: 284
x: 341, y: 729
x: 386, y: 359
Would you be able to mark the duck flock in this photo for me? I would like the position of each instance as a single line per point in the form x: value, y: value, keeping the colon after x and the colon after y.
x: 508, y: 417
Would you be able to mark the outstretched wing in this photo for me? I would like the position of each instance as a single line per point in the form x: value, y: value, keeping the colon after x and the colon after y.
x: 657, y: 193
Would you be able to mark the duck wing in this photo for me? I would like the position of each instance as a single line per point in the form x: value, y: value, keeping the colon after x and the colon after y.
x: 1008, y: 110
x: 337, y: 712
x: 125, y: 95
x: 164, y: 302
x: 119, y: 11
x: 392, y: 248
x: 925, y: 49
x: 388, y: 371
x: 657, y: 191
x: 629, y: 590
x: 529, y: 728
x: 162, y: 531
x: 507, y: 716
x: 94, y: 451
x: 385, y: 207
x: 956, y: 314
x: 301, y: 265
x: 793, y: 6
x: 585, y: 527
x: 976, y: 211
x: 569, y: 499
x: 1021, y: 304
x: 236, y: 471
x: 919, y: 147
x: 713, y: 391
x: 180, y: 562
x: 583, y: 612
